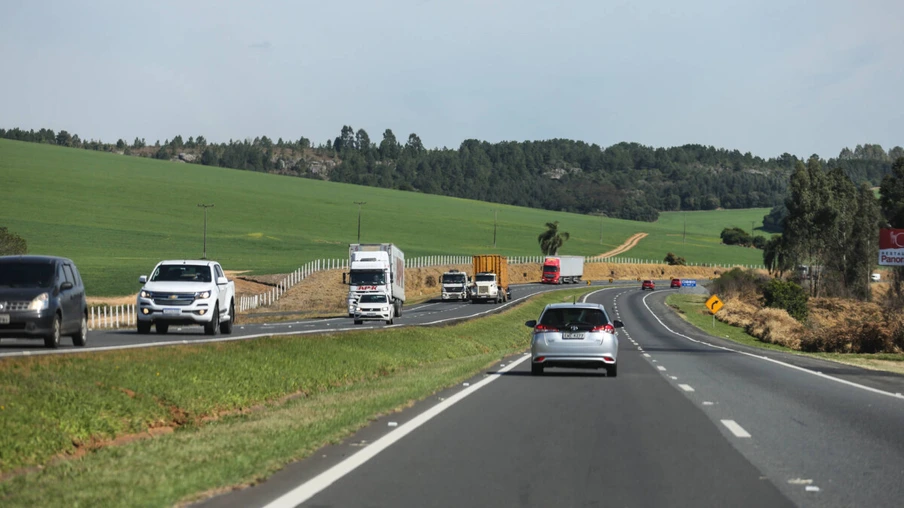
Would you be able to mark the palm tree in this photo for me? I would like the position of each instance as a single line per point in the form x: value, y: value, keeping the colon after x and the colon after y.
x: 551, y: 239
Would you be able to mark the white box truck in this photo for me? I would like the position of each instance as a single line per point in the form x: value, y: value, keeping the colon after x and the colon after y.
x: 563, y: 269
x: 375, y: 268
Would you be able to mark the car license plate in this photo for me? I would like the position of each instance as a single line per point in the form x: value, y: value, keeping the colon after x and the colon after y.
x: 572, y: 335
x: 4, y: 319
x: 172, y: 311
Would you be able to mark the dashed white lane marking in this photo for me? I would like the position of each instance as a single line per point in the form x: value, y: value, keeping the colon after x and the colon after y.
x: 313, y: 486
x: 674, y: 378
x: 660, y: 367
x: 812, y: 488
x: 687, y: 388
x: 707, y: 403
x: 647, y: 355
x: 735, y: 429
x: 778, y: 362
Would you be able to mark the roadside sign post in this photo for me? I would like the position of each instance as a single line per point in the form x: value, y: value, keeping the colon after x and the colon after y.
x: 714, y: 304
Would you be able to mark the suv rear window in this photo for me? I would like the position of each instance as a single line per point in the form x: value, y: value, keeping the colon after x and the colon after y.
x: 580, y: 317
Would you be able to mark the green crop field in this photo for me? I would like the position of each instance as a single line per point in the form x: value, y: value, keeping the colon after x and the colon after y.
x: 116, y: 216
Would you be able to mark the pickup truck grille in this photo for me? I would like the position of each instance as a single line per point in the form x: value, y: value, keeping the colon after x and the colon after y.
x: 483, y: 290
x: 13, y: 306
x: 173, y: 298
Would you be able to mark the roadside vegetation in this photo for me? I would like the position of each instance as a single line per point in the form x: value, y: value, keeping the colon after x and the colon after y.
x: 103, y: 421
x: 117, y: 216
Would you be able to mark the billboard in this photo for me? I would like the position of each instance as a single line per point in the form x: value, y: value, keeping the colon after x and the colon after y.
x: 891, y: 247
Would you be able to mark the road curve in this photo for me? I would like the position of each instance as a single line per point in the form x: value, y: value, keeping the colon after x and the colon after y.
x: 689, y: 421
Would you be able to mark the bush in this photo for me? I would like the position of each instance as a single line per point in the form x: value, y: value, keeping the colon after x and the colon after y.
x: 11, y: 243
x: 781, y: 294
x: 673, y: 260
x: 738, y: 283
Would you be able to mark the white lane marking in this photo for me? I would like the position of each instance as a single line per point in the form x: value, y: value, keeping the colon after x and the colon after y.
x: 772, y: 360
x: 311, y: 487
x: 812, y: 488
x: 707, y: 403
x: 660, y: 367
x: 687, y: 388
x: 674, y: 378
x: 647, y: 355
x: 735, y: 429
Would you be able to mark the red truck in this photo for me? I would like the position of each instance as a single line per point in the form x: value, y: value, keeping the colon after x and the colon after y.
x: 562, y: 269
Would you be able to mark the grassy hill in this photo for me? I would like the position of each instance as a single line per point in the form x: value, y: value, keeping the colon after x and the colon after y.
x: 116, y: 216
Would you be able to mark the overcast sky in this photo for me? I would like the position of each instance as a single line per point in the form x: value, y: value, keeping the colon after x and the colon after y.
x: 762, y: 76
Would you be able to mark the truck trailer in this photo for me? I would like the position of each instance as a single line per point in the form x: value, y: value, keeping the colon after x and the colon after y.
x: 562, y: 269
x: 491, y: 281
x: 375, y: 268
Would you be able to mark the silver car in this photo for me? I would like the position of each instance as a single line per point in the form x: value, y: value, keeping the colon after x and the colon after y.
x: 574, y: 335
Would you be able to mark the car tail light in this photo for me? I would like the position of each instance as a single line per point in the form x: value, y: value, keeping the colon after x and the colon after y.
x: 608, y: 359
x: 545, y: 328
x: 604, y: 328
x: 539, y: 359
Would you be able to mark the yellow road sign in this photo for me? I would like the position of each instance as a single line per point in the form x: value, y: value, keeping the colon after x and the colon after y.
x: 714, y: 304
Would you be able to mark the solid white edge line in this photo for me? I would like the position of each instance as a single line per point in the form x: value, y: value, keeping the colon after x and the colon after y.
x: 735, y: 429
x: 315, y: 485
x: 777, y: 362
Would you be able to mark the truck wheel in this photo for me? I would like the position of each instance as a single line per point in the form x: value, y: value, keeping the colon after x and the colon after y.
x: 398, y: 310
x: 161, y: 328
x: 226, y: 326
x: 53, y: 340
x: 144, y: 327
x: 81, y: 337
x: 214, y: 326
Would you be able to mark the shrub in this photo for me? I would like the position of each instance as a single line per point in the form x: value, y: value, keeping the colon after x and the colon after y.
x: 11, y: 243
x: 781, y: 294
x: 738, y: 283
x: 673, y: 260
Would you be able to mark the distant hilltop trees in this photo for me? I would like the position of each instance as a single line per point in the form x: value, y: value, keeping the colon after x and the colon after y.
x: 625, y: 180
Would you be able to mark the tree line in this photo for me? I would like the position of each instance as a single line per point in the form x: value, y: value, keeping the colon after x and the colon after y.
x: 625, y: 180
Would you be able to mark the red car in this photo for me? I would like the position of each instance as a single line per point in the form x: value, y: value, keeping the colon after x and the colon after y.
x: 647, y: 284
x: 676, y: 283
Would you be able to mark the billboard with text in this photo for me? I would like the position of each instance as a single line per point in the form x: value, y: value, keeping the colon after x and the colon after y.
x: 891, y: 247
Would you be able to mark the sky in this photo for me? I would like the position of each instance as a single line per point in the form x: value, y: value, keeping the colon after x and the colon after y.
x: 763, y: 76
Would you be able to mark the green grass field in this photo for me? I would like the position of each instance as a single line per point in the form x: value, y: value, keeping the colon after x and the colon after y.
x: 116, y: 216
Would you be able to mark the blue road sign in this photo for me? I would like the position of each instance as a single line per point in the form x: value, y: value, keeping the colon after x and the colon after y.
x: 688, y: 283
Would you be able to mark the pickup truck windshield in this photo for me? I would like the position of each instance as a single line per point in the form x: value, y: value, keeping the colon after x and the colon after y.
x: 19, y: 274
x: 367, y: 278
x: 485, y: 278
x: 185, y: 273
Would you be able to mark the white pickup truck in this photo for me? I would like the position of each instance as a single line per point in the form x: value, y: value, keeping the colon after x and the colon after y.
x: 186, y: 292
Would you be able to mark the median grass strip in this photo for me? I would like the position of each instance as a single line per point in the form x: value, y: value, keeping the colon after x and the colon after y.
x: 239, y: 410
x: 692, y: 309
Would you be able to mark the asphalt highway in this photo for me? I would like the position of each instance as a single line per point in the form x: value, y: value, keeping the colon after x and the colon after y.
x: 691, y: 420
x: 418, y: 314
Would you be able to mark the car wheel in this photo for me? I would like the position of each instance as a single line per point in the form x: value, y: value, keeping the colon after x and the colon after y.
x: 53, y: 340
x: 388, y: 321
x: 144, y: 327
x: 213, y: 327
x: 536, y: 369
x: 226, y: 326
x: 612, y: 370
x: 358, y: 322
x: 81, y: 337
x: 161, y: 328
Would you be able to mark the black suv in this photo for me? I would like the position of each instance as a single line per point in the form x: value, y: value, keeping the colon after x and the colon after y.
x: 42, y: 297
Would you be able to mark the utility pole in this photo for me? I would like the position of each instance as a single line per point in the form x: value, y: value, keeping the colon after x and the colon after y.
x: 601, y: 227
x: 495, y: 217
x: 359, y: 203
x: 205, y: 207
x: 684, y: 237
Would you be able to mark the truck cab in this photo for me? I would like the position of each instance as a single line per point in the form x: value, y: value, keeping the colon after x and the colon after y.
x: 375, y: 269
x: 486, y: 289
x: 454, y: 285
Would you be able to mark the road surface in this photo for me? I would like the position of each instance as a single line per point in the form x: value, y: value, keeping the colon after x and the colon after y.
x: 690, y: 421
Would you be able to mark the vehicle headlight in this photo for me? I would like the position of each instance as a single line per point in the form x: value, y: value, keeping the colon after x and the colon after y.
x: 385, y: 309
x: 144, y: 293
x: 41, y: 302
x: 203, y: 295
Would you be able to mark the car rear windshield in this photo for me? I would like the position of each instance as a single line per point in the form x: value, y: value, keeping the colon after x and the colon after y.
x: 185, y: 273
x: 373, y: 298
x: 580, y: 317
x: 24, y: 274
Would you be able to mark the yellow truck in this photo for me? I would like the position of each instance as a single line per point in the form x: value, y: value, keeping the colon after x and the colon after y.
x: 491, y: 281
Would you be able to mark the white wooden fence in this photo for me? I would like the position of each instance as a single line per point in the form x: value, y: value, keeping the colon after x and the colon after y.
x: 116, y: 316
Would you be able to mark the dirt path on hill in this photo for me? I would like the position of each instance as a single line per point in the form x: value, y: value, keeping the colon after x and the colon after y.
x: 629, y: 244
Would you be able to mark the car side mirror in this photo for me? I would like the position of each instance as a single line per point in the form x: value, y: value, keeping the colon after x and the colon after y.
x: 222, y: 281
x: 66, y: 285
x: 530, y: 324
x: 143, y: 279
x: 618, y: 324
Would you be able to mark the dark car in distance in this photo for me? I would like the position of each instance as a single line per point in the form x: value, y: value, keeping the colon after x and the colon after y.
x: 42, y: 297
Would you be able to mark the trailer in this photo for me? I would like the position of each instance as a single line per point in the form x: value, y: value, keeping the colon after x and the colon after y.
x: 562, y: 269
x: 375, y: 268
